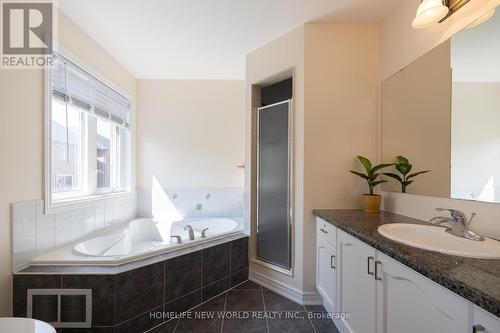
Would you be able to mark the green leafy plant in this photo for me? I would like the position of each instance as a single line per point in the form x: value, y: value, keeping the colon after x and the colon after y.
x: 404, y: 167
x: 371, y: 173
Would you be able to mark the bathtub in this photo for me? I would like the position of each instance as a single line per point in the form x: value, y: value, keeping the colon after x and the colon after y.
x: 141, y: 238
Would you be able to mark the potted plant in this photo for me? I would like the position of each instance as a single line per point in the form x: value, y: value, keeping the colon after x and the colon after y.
x: 404, y: 167
x: 371, y: 201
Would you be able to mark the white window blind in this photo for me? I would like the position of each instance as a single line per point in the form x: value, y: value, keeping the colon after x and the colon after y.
x: 73, y: 85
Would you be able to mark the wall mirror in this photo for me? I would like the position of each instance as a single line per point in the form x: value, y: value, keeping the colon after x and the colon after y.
x: 442, y: 112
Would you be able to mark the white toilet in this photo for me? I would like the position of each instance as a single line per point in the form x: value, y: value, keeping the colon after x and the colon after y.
x: 24, y: 325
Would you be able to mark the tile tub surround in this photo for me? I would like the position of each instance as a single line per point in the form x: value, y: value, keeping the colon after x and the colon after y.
x: 122, y: 302
x: 215, y: 202
x: 477, y: 280
x: 36, y: 233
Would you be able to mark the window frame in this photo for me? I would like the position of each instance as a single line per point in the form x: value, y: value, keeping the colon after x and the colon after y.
x: 125, y: 141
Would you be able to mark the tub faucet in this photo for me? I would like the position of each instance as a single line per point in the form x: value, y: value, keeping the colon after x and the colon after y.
x: 204, y: 233
x: 458, y: 223
x: 191, y: 233
x: 178, y: 238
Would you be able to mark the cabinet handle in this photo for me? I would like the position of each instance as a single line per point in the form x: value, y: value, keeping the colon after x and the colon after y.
x: 368, y: 265
x: 332, y: 259
x: 376, y: 270
x: 478, y: 328
x: 323, y: 231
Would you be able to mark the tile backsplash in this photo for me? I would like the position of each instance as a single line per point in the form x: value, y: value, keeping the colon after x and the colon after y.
x: 195, y: 202
x: 36, y: 233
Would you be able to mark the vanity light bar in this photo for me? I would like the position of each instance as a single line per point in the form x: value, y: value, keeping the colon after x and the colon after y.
x: 430, y: 12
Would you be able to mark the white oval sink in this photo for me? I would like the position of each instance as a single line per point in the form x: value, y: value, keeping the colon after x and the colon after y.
x: 436, y: 239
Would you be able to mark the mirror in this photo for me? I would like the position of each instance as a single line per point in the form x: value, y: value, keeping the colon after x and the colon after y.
x: 442, y: 112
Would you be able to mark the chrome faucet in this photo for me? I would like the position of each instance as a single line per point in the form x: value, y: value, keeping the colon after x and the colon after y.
x: 190, y: 230
x: 178, y: 238
x: 459, y: 225
x: 204, y: 233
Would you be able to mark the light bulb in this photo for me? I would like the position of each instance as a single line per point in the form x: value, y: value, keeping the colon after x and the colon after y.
x: 430, y: 12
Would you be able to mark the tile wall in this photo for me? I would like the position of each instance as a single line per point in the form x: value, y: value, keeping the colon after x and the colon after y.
x: 36, y: 233
x: 195, y: 202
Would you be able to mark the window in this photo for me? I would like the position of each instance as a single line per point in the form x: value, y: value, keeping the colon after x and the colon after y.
x: 66, y: 134
x: 107, y: 142
x: 88, y: 153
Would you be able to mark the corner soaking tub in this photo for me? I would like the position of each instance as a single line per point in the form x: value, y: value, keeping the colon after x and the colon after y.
x: 139, y: 239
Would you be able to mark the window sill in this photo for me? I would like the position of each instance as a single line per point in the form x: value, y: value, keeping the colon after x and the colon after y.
x: 81, y: 202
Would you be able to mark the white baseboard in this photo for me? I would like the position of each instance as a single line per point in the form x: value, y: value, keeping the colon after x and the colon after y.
x: 309, y: 298
x: 303, y: 298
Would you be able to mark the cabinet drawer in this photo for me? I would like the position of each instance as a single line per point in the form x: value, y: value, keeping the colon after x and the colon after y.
x: 485, y: 322
x: 326, y: 231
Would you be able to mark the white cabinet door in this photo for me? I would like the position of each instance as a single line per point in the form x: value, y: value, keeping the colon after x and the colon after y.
x: 485, y: 322
x: 409, y: 302
x: 326, y: 275
x: 326, y: 231
x: 356, y: 284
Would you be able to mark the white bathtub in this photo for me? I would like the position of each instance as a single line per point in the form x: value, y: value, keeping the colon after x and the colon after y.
x: 139, y: 239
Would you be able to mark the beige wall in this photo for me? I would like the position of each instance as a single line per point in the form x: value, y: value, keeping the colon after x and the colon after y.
x: 190, y: 133
x: 280, y: 58
x: 335, y: 68
x: 401, y: 45
x: 416, y: 121
x: 341, y: 80
x: 21, y: 134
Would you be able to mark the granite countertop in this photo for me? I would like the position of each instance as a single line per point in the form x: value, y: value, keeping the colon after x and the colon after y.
x: 477, y: 280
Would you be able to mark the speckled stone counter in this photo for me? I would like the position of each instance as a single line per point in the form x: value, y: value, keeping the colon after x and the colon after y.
x: 476, y: 280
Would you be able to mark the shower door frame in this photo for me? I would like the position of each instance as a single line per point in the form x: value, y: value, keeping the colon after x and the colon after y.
x: 290, y: 194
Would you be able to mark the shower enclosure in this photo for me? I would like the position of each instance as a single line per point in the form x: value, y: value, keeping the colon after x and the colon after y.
x: 274, y: 151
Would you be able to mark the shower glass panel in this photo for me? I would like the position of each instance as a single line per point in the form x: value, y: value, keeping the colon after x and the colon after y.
x: 273, y: 185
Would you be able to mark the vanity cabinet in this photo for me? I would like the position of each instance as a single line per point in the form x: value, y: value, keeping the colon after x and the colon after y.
x: 484, y: 322
x: 356, y: 284
x: 326, y: 262
x: 326, y: 284
x: 381, y: 295
x: 411, y: 303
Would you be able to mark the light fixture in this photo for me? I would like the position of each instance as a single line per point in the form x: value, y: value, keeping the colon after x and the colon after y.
x: 430, y: 12
x: 482, y: 19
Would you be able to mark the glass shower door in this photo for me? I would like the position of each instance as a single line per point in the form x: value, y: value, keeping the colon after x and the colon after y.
x: 273, y: 185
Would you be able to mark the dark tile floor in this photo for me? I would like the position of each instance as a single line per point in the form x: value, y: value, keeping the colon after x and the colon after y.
x: 251, y: 308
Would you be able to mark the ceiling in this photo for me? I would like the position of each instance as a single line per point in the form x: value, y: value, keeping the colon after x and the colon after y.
x: 203, y: 39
